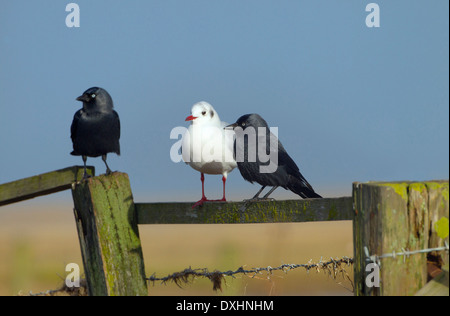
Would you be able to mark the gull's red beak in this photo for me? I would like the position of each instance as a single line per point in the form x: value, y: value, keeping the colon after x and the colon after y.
x: 190, y: 118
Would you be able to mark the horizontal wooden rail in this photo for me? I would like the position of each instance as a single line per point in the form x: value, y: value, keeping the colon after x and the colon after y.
x: 42, y: 184
x: 436, y: 287
x: 310, y: 210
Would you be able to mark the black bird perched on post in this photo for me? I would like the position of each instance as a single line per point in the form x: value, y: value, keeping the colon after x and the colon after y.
x: 285, y: 173
x: 95, y: 129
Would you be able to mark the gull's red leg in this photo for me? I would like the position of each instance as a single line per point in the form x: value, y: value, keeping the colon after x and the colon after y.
x: 224, y: 180
x: 202, y: 178
x: 203, y: 199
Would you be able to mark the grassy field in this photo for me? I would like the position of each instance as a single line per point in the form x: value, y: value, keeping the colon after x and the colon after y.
x: 37, y: 240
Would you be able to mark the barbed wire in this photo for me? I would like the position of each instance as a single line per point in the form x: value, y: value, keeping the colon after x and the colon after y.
x: 404, y: 252
x: 64, y: 290
x: 332, y: 267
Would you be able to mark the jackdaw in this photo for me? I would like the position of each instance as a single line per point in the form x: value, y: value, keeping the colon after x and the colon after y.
x: 285, y: 173
x: 95, y: 129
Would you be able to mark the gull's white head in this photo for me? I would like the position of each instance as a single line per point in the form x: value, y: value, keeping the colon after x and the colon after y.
x: 203, y: 113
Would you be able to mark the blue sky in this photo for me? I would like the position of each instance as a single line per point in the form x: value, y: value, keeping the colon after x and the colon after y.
x: 351, y: 103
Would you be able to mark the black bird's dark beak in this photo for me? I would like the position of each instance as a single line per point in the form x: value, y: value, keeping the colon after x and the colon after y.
x: 83, y: 98
x: 231, y: 126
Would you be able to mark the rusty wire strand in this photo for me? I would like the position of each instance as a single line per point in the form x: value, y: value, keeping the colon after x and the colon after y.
x: 332, y: 267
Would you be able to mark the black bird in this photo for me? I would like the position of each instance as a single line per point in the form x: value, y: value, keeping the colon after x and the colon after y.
x: 285, y: 173
x: 95, y: 129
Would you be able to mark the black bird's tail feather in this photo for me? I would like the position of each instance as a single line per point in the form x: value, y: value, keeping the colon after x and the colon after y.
x: 302, y: 188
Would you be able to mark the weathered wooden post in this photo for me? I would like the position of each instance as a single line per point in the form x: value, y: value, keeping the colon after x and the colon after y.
x: 109, y: 238
x: 390, y: 217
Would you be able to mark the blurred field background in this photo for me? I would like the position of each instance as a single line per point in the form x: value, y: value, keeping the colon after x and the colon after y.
x: 38, y: 239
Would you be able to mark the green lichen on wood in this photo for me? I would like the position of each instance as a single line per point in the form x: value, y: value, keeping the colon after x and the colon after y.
x: 439, y: 185
x: 441, y: 227
x: 401, y: 188
x: 332, y: 213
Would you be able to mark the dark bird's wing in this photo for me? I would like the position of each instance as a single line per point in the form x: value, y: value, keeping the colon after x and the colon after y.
x: 118, y: 124
x: 296, y: 181
x: 116, y: 131
x: 73, y: 130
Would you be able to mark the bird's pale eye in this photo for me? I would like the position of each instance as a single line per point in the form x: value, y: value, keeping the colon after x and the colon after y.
x: 93, y: 95
x: 243, y: 124
x: 204, y: 112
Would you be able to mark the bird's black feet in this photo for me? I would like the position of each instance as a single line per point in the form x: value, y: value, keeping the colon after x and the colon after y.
x: 258, y: 199
x: 86, y: 176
